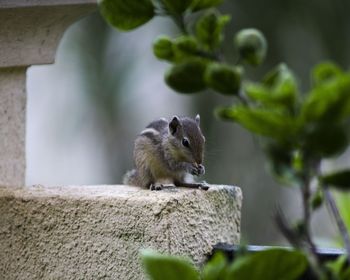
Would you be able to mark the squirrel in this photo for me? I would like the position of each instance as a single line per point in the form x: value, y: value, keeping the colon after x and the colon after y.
x: 165, y: 153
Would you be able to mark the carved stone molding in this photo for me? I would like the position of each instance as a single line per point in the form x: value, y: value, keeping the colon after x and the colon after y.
x: 31, y: 30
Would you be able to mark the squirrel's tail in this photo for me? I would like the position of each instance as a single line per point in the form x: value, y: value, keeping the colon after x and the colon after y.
x: 131, y: 178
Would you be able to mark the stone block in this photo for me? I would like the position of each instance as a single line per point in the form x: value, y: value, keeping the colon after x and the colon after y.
x: 94, y: 232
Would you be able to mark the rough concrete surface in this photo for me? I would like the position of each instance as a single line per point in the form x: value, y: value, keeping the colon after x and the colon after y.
x: 96, y: 232
x: 12, y: 125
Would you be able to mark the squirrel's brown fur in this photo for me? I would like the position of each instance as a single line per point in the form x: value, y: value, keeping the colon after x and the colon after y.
x: 165, y: 152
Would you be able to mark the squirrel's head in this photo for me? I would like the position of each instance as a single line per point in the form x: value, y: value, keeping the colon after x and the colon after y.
x: 186, y: 139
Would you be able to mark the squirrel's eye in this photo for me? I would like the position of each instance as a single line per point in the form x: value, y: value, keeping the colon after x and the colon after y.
x: 185, y: 142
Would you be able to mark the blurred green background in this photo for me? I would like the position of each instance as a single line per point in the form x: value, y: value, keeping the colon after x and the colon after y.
x: 85, y: 111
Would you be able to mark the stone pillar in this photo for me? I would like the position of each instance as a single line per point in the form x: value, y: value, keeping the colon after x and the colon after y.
x: 30, y: 31
x: 12, y: 125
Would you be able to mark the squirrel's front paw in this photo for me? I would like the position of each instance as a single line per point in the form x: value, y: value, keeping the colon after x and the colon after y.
x: 203, y: 186
x: 197, y: 169
x: 201, y: 169
x: 156, y: 187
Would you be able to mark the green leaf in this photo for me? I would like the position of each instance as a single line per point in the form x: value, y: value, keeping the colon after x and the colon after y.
x: 278, y: 76
x: 345, y: 275
x: 185, y: 46
x: 283, y: 94
x: 160, y: 267
x: 251, y: 45
x: 187, y: 77
x: 329, y: 101
x: 343, y: 203
x: 337, y: 265
x: 339, y: 268
x: 298, y: 161
x: 176, y: 7
x: 216, y: 268
x: 223, y: 78
x: 209, y: 29
x: 179, y: 50
x: 269, y: 123
x: 279, y: 87
x: 325, y: 139
x: 317, y: 199
x: 299, y: 228
x: 339, y: 180
x: 204, y: 4
x: 280, y: 162
x: 270, y: 264
x: 163, y: 48
x: 126, y: 15
x: 325, y: 71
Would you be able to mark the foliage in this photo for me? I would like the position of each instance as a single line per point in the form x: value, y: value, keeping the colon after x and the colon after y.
x: 339, y: 269
x: 251, y: 45
x: 127, y: 15
x: 343, y: 200
x: 160, y: 267
x: 297, y: 130
x: 339, y: 180
x: 270, y: 264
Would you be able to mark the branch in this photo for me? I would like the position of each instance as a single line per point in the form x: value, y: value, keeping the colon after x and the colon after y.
x: 315, y: 260
x: 242, y: 97
x: 180, y: 22
x: 295, y: 240
x: 306, y: 194
x: 208, y: 55
x: 340, y: 223
x: 286, y: 230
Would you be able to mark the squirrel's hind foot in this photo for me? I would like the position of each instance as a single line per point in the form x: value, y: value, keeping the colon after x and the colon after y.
x: 159, y: 187
x: 202, y: 186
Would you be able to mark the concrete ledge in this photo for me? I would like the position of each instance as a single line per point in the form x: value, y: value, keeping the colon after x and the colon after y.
x: 95, y: 232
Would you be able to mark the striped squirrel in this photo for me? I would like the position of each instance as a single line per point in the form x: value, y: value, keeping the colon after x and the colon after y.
x: 165, y: 153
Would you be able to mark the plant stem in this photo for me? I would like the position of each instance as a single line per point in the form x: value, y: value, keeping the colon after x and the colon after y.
x: 242, y: 98
x: 180, y: 22
x: 340, y: 223
x: 306, y: 196
x: 307, y: 217
x: 294, y: 239
x: 161, y: 13
x: 286, y: 229
x: 208, y: 55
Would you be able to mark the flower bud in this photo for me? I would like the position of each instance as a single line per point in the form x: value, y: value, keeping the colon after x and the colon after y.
x: 187, y: 77
x: 251, y: 45
x: 163, y: 48
x: 223, y: 78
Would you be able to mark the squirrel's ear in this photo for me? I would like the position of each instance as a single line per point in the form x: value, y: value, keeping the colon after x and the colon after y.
x: 174, y: 125
x: 198, y: 119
